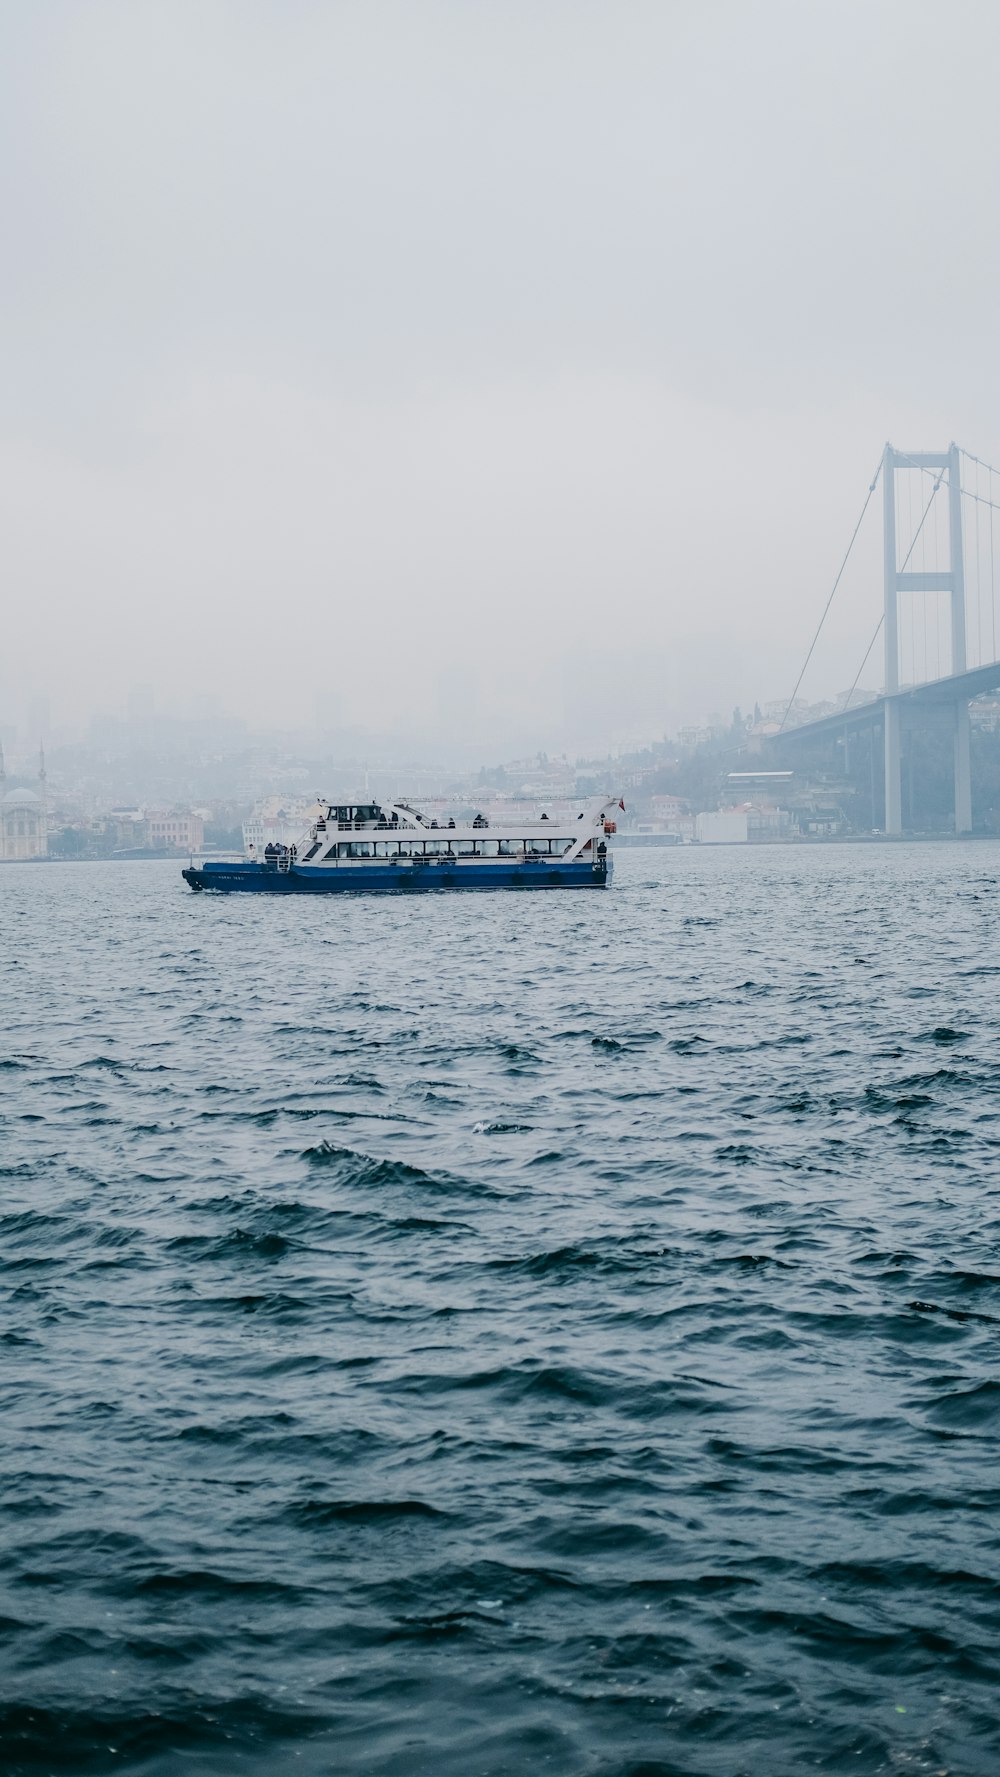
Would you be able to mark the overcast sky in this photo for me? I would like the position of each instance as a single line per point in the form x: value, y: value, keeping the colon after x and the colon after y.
x: 510, y: 367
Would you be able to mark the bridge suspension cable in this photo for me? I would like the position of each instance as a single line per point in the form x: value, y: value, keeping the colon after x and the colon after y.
x: 881, y: 621
x: 878, y: 631
x: 992, y: 506
x: 967, y: 492
x: 840, y: 574
x: 983, y: 464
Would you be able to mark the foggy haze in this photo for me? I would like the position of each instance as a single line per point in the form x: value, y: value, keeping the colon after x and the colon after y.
x: 507, y: 371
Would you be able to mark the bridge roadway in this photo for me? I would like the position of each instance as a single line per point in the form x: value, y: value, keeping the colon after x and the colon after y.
x: 958, y: 688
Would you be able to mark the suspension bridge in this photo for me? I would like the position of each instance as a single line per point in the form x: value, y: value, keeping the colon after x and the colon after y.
x: 938, y: 623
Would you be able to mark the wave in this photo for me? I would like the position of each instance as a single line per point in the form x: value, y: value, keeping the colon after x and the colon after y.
x: 238, y: 1243
x: 319, y: 1513
x: 976, y: 1408
x: 560, y: 1262
x: 363, y: 1171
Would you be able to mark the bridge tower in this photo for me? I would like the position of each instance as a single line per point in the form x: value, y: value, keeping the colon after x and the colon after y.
x: 897, y: 580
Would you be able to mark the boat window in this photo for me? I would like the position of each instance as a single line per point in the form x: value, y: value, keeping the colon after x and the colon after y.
x: 466, y: 848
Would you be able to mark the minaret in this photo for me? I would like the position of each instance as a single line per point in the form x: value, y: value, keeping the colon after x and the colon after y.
x: 43, y: 818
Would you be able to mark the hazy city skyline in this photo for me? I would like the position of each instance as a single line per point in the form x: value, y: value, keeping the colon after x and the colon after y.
x: 512, y: 373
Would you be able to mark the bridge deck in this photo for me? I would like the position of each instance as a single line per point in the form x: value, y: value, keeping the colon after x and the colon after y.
x: 956, y: 688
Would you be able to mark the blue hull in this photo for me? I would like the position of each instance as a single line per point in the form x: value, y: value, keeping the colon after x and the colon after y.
x: 391, y: 879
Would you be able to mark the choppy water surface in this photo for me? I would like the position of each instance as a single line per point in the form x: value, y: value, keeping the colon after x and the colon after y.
x: 479, y: 1335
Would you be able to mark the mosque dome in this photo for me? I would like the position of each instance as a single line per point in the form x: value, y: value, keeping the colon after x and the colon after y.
x: 20, y: 799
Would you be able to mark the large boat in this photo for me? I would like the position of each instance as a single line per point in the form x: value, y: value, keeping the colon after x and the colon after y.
x: 393, y: 849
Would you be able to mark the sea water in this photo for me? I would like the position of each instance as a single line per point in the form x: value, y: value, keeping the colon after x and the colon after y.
x: 495, y: 1334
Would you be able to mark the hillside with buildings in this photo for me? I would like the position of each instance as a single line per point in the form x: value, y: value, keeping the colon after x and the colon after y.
x: 169, y: 789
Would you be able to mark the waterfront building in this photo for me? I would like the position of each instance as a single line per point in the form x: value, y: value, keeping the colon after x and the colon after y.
x: 170, y: 831
x: 746, y: 825
x: 24, y: 824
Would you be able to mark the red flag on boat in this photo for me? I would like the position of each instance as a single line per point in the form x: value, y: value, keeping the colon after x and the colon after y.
x: 622, y: 807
